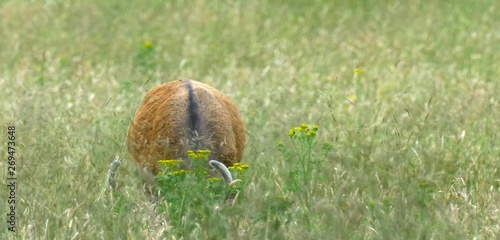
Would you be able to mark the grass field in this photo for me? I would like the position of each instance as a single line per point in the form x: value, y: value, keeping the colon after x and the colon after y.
x: 406, y: 92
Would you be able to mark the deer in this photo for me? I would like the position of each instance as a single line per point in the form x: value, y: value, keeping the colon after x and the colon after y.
x: 185, y: 115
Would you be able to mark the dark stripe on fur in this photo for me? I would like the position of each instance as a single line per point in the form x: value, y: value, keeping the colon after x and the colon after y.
x: 193, y: 115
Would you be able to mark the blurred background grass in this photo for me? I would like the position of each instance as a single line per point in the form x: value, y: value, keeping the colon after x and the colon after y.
x: 407, y: 93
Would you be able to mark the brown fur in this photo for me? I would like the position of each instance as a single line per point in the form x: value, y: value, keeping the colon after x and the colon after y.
x: 160, y: 128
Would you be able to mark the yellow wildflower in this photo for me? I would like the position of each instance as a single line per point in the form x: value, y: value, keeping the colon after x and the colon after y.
x: 352, y: 97
x: 291, y: 133
x: 238, y: 167
x: 147, y: 44
x: 199, y: 154
x: 357, y: 71
x: 180, y: 172
x: 245, y: 166
x: 214, y: 179
x: 169, y: 163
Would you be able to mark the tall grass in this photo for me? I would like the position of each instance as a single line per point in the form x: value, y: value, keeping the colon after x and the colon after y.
x: 406, y: 93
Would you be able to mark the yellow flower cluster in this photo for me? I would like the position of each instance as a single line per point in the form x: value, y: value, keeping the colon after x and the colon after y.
x: 238, y: 167
x: 308, y: 131
x: 169, y: 163
x: 357, y: 71
x: 214, y: 179
x: 199, y: 154
x: 181, y: 172
x: 147, y: 44
x: 178, y: 172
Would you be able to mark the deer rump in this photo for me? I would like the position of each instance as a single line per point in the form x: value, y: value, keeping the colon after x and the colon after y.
x: 185, y: 115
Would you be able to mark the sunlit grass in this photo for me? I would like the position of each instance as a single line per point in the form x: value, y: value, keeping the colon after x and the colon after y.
x: 405, y: 93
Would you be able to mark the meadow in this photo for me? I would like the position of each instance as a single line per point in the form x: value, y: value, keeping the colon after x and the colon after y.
x: 406, y: 93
